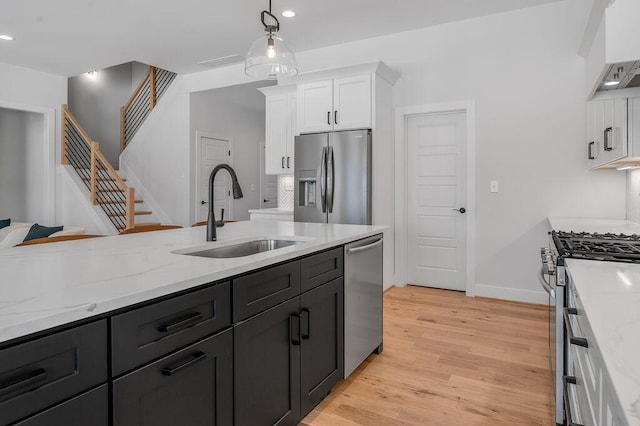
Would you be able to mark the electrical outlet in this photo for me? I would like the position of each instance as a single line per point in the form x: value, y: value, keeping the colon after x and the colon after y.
x: 493, y: 186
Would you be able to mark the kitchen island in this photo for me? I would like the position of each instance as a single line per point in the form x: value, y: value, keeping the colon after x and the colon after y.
x: 133, y: 325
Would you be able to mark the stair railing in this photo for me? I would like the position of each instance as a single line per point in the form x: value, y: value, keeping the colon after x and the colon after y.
x: 143, y: 100
x: 107, y: 188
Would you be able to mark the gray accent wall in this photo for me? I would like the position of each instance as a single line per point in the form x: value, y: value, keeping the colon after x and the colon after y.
x: 96, y: 100
x: 22, y: 166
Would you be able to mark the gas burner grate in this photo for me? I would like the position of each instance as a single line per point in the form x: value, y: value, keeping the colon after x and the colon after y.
x: 608, y: 247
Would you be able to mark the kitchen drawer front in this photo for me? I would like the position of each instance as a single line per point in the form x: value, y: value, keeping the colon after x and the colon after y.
x: 575, y: 393
x: 45, y: 371
x: 91, y: 408
x: 193, y: 386
x: 262, y: 290
x: 153, y: 331
x: 321, y: 268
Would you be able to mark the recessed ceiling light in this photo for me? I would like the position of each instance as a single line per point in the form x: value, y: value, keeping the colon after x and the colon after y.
x: 611, y: 83
x: 288, y: 14
x: 6, y: 37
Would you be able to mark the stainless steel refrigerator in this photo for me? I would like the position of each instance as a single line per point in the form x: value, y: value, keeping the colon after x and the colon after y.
x: 333, y: 178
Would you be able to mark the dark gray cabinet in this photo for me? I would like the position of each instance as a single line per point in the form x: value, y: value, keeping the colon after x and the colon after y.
x: 267, y: 367
x: 288, y: 357
x: 322, y: 342
x: 91, y: 408
x: 38, y: 374
x: 193, y: 386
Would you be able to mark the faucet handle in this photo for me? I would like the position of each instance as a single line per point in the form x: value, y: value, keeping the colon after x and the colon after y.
x: 220, y: 223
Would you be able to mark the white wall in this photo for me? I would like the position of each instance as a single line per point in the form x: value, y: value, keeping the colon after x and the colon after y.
x: 159, y: 155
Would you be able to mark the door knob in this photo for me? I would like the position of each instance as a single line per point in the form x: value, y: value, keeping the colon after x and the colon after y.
x: 461, y: 210
x: 204, y: 202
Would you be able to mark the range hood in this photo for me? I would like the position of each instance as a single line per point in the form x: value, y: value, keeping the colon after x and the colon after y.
x: 624, y: 75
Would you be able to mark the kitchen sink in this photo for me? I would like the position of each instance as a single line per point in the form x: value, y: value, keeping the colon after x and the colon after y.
x: 242, y: 249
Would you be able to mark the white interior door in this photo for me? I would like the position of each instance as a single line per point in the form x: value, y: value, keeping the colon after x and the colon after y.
x: 268, y: 184
x: 436, y: 162
x: 213, y: 151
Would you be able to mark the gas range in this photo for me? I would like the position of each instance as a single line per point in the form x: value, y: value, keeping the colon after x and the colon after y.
x: 606, y: 247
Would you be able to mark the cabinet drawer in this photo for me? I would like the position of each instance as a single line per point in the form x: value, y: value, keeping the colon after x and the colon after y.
x: 262, y: 290
x: 40, y: 373
x: 321, y: 268
x: 91, y: 408
x: 193, y: 386
x: 153, y: 331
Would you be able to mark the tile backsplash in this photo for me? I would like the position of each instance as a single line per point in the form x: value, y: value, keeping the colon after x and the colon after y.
x: 285, y: 192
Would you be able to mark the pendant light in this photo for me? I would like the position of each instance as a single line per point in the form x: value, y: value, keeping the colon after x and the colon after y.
x: 269, y: 58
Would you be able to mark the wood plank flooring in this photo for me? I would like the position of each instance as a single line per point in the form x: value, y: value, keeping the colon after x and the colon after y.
x: 449, y: 360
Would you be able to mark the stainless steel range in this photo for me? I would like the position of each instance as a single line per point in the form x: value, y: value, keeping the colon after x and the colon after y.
x: 556, y: 281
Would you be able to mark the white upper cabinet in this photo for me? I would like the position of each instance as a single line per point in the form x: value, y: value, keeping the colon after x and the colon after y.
x: 337, y: 104
x: 315, y: 112
x: 352, y: 102
x: 280, y: 129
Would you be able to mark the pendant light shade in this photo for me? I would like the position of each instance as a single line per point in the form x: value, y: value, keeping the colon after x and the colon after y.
x: 269, y: 58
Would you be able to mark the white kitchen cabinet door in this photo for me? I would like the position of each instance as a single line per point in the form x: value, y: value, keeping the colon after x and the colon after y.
x: 594, y: 137
x: 315, y: 107
x: 352, y: 102
x: 291, y: 132
x: 277, y: 131
x: 618, y: 125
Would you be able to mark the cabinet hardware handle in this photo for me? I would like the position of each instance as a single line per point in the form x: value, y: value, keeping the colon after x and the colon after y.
x: 569, y: 380
x: 607, y: 132
x: 360, y: 249
x: 282, y: 162
x: 329, y: 118
x: 335, y: 117
x: 579, y: 341
x: 203, y: 202
x: 295, y: 342
x: 188, y: 362
x: 288, y: 159
x: 323, y: 179
x: 306, y: 335
x: 591, y: 157
x: 182, y: 322
x: 12, y: 384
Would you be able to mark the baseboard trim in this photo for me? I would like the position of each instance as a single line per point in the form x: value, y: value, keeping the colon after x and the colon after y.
x: 388, y: 288
x: 513, y: 294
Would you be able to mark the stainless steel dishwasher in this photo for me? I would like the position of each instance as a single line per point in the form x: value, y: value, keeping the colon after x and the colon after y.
x: 362, y: 301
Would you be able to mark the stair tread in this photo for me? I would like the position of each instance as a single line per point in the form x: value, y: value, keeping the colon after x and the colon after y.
x: 136, y: 213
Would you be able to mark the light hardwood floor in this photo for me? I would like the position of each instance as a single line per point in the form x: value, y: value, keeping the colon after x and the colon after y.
x: 449, y: 360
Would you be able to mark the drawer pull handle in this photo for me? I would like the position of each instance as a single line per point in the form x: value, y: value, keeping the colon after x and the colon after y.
x: 579, y: 341
x: 22, y: 380
x: 188, y: 362
x: 307, y: 335
x: 182, y: 322
x: 292, y: 340
x: 569, y: 380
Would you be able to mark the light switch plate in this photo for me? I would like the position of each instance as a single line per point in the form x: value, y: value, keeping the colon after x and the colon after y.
x: 493, y: 186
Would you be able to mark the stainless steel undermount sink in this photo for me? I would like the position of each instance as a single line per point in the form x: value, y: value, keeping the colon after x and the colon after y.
x: 243, y: 249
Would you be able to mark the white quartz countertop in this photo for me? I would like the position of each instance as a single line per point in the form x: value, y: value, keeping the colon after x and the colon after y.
x: 48, y: 285
x: 610, y: 295
x: 272, y: 211
x: 601, y: 226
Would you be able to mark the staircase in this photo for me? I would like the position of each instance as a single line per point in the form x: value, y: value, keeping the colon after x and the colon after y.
x: 108, y: 190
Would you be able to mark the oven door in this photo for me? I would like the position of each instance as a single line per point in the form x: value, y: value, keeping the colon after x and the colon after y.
x: 556, y: 338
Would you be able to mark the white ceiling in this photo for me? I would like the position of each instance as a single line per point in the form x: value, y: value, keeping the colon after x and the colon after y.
x: 68, y: 37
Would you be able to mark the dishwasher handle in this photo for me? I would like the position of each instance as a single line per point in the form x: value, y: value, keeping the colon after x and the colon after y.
x: 373, y: 245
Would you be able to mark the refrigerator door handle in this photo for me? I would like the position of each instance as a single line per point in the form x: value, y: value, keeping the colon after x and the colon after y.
x: 323, y: 179
x: 330, y: 180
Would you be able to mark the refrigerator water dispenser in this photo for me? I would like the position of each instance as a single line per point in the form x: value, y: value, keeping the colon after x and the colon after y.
x: 307, y: 188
